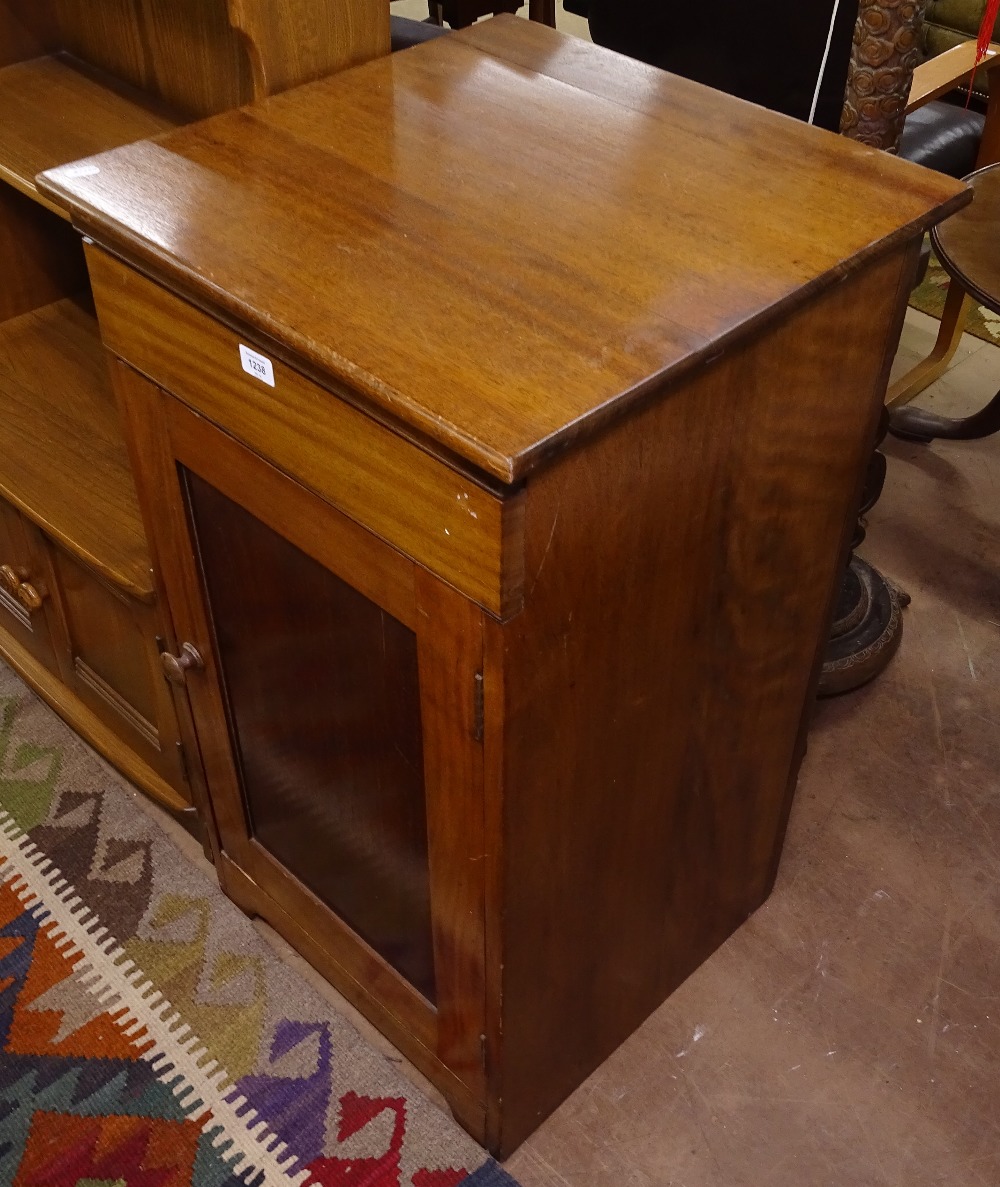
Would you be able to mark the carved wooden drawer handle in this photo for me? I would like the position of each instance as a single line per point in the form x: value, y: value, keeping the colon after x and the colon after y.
x: 11, y: 579
x: 30, y: 597
x: 15, y: 582
x: 176, y: 667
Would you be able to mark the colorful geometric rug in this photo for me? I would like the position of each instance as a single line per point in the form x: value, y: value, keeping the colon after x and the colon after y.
x: 149, y: 1037
x: 929, y: 297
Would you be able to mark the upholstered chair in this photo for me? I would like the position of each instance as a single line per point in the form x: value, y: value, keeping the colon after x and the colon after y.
x: 948, y: 23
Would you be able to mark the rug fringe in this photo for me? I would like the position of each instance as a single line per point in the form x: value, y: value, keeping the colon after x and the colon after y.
x: 176, y: 1054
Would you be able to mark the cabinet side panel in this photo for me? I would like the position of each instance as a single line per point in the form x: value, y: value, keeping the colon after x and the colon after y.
x: 296, y: 41
x: 679, y: 576
x: 185, y: 51
x: 26, y: 30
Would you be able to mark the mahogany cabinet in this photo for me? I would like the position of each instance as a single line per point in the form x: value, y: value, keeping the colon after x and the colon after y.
x: 498, y: 479
x: 80, y: 616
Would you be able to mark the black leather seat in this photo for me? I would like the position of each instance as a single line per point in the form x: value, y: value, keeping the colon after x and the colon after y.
x: 404, y: 32
x: 943, y: 136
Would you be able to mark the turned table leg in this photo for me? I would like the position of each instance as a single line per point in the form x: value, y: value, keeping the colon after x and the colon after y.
x: 543, y: 11
x: 461, y: 13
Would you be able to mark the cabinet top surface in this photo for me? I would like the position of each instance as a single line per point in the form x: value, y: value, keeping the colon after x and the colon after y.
x: 503, y: 237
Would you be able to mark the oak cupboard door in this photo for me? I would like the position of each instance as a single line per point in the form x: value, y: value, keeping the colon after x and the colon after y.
x: 24, y: 594
x: 111, y: 661
x: 335, y: 688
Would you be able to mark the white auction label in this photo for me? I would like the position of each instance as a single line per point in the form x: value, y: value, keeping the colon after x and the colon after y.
x: 257, y: 365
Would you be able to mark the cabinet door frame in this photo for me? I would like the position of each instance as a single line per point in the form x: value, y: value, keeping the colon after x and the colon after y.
x: 23, y: 548
x: 449, y: 631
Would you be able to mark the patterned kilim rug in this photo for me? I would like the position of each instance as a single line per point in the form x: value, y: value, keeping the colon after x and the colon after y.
x: 148, y: 1036
x: 929, y: 297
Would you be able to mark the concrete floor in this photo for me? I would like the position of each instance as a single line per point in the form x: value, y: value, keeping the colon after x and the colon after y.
x: 849, y: 1033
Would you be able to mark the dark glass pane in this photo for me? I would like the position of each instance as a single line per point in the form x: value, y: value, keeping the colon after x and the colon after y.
x: 325, y: 710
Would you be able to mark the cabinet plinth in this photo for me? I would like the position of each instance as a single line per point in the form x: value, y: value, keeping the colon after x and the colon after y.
x: 508, y: 566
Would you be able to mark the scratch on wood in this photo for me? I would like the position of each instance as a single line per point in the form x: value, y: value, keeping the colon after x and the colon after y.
x: 545, y: 554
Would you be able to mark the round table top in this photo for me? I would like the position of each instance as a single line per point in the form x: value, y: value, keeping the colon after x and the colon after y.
x: 968, y: 243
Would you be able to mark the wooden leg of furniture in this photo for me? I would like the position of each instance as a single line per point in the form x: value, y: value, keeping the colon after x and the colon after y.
x: 956, y: 308
x: 461, y: 13
x: 989, y: 146
x: 917, y: 424
x: 868, y: 620
x: 543, y: 11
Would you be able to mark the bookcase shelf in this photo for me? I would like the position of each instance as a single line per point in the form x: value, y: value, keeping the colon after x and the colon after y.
x: 80, y: 615
x: 57, y: 109
x: 63, y: 463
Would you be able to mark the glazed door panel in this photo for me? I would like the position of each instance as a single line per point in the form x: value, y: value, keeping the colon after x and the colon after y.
x: 324, y: 705
x: 337, y: 710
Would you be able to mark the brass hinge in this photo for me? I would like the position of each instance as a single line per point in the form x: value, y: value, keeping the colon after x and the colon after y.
x: 478, y: 708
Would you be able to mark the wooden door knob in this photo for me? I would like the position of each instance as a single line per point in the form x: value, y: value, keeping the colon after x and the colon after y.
x: 10, y: 578
x: 176, y: 667
x: 30, y: 597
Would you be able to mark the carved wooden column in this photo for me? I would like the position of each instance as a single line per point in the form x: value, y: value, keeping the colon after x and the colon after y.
x: 886, y: 52
x: 868, y: 622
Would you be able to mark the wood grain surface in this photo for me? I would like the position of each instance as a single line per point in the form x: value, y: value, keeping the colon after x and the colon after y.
x: 944, y: 72
x: 41, y: 255
x: 296, y: 41
x: 56, y: 109
x: 21, y: 555
x: 25, y: 30
x: 513, y: 235
x: 418, y: 503
x: 198, y: 57
x: 968, y: 244
x: 62, y: 459
x: 655, y: 683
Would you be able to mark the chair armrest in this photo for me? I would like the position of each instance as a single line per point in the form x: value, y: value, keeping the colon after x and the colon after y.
x: 941, y: 74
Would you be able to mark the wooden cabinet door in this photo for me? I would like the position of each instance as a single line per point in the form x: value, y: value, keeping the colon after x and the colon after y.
x: 110, y: 660
x: 334, y: 686
x: 24, y: 589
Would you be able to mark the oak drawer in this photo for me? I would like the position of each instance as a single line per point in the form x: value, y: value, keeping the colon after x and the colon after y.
x: 446, y: 522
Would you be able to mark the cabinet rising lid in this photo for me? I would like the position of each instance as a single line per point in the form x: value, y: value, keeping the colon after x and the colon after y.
x: 505, y: 237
